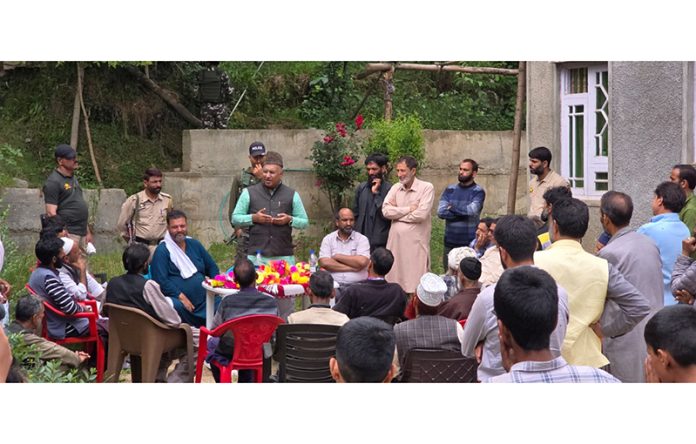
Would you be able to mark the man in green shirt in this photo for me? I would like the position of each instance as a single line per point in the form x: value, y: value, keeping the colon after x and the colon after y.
x: 271, y: 210
x: 685, y: 176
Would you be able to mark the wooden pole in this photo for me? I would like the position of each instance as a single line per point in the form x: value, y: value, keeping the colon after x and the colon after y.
x: 80, y: 78
x: 517, y: 137
x: 388, y: 91
x: 75, y: 127
x: 381, y: 67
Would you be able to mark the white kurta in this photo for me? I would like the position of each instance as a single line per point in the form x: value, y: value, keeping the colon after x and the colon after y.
x: 409, y: 235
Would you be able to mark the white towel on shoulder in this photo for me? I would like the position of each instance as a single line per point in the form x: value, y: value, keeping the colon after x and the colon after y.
x: 179, y: 258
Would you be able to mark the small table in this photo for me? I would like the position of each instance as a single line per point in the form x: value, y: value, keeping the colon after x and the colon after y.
x: 275, y: 290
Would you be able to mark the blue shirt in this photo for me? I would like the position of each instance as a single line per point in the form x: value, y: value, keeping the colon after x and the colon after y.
x: 667, y: 231
x: 460, y: 207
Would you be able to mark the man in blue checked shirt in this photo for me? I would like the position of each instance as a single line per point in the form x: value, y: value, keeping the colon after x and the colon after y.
x: 460, y: 206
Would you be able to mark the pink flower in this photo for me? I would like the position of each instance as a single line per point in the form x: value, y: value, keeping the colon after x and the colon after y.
x: 328, y: 139
x: 341, y: 129
x: 347, y: 161
x: 359, y: 120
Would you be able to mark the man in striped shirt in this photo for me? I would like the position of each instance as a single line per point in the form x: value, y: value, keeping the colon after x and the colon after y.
x: 44, y: 280
x: 526, y: 304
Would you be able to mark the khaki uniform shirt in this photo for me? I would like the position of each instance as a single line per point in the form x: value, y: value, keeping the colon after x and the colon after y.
x: 538, y: 188
x: 150, y: 217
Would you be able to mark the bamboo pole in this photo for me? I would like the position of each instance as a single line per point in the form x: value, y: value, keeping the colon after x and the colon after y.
x: 80, y: 78
x: 75, y: 127
x: 388, y: 91
x: 381, y: 67
x: 517, y: 137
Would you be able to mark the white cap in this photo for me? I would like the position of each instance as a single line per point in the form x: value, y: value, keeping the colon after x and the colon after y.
x: 431, y: 289
x: 67, y: 244
x: 455, y: 256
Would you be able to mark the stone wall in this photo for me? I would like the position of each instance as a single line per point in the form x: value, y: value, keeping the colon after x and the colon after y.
x: 26, y: 204
x: 211, y: 157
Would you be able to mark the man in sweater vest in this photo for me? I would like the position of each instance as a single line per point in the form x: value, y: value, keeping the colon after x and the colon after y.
x: 590, y: 281
x: 271, y: 210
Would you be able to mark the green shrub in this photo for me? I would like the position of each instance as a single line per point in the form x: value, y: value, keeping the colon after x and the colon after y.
x: 400, y: 137
x: 37, y: 370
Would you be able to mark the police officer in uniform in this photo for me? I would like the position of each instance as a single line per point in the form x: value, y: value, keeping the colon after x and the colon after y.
x: 249, y: 176
x: 143, y: 216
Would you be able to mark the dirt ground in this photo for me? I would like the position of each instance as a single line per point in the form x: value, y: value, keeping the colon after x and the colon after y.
x: 206, y: 377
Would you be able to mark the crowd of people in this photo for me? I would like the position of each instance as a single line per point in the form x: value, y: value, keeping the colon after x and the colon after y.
x: 520, y: 295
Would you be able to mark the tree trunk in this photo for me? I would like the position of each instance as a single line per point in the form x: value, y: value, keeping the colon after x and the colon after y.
x: 165, y: 95
x: 388, y: 91
x: 517, y: 137
x: 75, y: 128
x: 80, y: 78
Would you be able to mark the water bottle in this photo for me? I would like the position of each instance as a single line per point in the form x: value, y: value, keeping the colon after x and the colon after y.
x: 258, y: 258
x: 312, y: 261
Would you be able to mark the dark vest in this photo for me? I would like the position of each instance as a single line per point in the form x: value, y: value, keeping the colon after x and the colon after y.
x: 271, y: 240
x: 127, y: 290
x: 55, y: 324
x: 435, y: 332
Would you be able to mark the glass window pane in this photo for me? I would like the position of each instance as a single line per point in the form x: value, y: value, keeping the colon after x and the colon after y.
x: 601, y: 186
x: 602, y: 176
x: 579, y: 146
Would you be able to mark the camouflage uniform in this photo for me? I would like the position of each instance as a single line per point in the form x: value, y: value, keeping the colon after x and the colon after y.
x: 214, y: 115
x: 244, y: 180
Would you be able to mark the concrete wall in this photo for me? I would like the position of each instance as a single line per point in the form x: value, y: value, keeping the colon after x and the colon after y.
x: 650, y: 126
x: 26, y: 204
x: 651, y: 106
x: 212, y: 157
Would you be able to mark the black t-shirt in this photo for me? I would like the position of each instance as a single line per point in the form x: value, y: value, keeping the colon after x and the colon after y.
x: 65, y: 192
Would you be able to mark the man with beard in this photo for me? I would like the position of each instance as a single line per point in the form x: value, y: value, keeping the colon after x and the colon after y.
x: 369, y: 197
x: 460, y: 206
x: 551, y: 196
x: 408, y: 206
x: 345, y: 252
x: 179, y: 266
x: 44, y: 280
x: 143, y: 215
x: 542, y: 179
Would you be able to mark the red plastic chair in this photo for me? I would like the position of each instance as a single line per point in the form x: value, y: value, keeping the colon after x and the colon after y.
x: 92, y: 341
x: 250, y: 332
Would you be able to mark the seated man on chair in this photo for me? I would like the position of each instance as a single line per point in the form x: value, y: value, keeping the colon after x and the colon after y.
x: 179, y: 265
x: 428, y: 329
x: 73, y: 274
x: 29, y: 314
x: 375, y: 296
x: 44, y: 280
x: 345, y: 252
x: 249, y: 301
x: 133, y: 290
x: 321, y: 290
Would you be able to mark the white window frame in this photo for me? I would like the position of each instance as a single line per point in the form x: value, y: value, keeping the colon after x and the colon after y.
x: 592, y: 163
